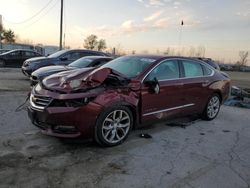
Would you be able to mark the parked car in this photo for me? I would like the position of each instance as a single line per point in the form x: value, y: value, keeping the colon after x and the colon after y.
x: 84, y: 62
x: 15, y: 58
x: 126, y: 93
x: 63, y: 57
x: 3, y: 51
x: 210, y: 62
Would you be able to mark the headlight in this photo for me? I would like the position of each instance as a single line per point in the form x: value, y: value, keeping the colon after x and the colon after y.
x: 75, y: 83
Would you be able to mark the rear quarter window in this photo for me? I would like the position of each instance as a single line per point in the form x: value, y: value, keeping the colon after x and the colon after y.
x: 192, y: 69
x: 207, y: 71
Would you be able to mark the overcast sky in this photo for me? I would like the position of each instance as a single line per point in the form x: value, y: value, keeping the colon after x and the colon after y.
x: 221, y: 26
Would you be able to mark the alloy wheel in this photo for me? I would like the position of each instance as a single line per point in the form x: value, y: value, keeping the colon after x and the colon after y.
x: 213, y: 107
x: 116, y: 126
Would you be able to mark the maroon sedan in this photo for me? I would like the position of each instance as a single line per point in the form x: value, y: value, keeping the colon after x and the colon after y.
x: 128, y: 92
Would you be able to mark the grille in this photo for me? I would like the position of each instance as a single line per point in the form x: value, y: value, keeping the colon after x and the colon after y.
x: 39, y: 102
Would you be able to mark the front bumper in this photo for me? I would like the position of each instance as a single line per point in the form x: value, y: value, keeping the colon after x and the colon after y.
x: 33, y: 82
x: 66, y: 122
x: 26, y: 71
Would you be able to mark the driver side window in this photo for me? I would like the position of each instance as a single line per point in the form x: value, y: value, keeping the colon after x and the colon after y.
x: 166, y: 70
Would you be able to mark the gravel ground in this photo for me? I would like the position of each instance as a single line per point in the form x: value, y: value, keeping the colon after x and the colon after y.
x: 201, y: 154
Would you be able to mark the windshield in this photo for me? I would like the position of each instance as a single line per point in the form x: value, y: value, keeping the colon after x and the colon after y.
x: 81, y: 63
x: 57, y: 54
x: 129, y: 66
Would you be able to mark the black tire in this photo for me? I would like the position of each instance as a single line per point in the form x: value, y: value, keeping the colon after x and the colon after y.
x: 102, y: 123
x: 207, y: 114
x: 2, y: 63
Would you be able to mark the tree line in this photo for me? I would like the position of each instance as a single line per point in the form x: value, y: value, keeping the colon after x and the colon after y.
x: 7, y: 35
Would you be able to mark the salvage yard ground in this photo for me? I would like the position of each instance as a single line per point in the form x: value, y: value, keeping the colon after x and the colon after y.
x: 201, y: 154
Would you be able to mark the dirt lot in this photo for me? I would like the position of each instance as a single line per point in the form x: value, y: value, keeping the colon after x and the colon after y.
x: 203, y: 154
x: 240, y: 79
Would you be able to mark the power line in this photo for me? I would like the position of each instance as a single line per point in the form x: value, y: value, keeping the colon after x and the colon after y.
x: 56, y: 2
x: 30, y: 18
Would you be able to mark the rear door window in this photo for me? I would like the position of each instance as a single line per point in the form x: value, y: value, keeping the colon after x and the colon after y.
x: 192, y: 69
x: 166, y: 70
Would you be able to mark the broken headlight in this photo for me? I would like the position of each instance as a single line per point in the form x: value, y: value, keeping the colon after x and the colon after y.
x: 75, y: 83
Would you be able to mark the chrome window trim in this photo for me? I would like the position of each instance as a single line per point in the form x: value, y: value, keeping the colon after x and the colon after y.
x: 169, y: 109
x: 199, y: 61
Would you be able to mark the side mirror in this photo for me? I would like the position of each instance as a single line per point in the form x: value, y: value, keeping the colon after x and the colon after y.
x: 63, y: 58
x: 153, y: 85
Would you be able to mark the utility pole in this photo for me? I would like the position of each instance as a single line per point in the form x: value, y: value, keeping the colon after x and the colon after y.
x: 1, y: 28
x: 180, y: 36
x: 61, y: 26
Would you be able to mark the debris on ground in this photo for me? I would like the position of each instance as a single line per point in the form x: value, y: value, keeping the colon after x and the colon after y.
x: 239, y: 98
x: 145, y: 135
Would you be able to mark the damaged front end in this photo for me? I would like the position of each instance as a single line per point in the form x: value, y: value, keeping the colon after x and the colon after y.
x: 67, y: 104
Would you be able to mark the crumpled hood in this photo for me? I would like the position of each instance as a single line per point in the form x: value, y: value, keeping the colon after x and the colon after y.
x: 90, y: 78
x: 48, y: 70
x: 60, y: 81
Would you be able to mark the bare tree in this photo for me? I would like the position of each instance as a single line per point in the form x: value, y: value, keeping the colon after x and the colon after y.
x: 201, y: 50
x: 9, y: 36
x: 243, y: 58
x: 167, y: 51
x: 101, y: 45
x: 90, y: 42
x: 191, y: 51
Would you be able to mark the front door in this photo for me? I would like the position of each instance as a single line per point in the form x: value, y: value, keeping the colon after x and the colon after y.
x: 170, y: 100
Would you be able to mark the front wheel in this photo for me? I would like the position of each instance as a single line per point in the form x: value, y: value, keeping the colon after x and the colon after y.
x: 212, y: 108
x: 113, y: 126
x: 2, y: 63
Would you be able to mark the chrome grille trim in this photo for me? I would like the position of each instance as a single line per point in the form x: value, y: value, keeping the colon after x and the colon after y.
x: 39, y: 103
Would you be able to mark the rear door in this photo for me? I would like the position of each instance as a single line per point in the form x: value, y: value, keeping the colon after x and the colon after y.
x: 170, y: 100
x: 194, y: 85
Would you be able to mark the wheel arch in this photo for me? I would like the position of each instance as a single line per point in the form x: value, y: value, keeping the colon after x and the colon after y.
x: 218, y: 92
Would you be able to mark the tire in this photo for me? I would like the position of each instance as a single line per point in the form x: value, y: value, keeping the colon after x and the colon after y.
x: 212, y: 108
x: 2, y: 63
x: 113, y: 126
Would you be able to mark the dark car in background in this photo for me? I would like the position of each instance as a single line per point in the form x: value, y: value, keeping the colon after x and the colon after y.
x: 15, y: 58
x: 126, y: 93
x: 3, y: 51
x: 63, y: 57
x: 84, y: 62
x: 210, y: 62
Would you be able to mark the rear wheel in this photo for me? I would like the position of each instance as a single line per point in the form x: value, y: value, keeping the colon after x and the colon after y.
x: 212, y: 108
x: 113, y: 126
x: 2, y: 63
